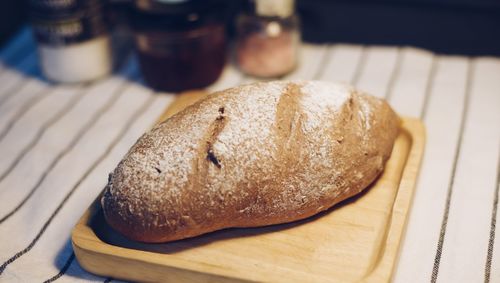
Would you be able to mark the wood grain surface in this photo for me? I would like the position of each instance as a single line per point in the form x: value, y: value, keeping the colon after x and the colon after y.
x: 357, y: 240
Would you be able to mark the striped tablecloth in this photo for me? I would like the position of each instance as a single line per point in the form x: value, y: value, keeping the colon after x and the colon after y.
x: 59, y: 142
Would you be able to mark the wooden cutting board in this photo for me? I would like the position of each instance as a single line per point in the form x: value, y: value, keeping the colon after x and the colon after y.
x: 357, y: 240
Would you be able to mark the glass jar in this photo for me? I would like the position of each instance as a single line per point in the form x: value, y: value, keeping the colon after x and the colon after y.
x: 73, y: 40
x: 180, y: 44
x: 268, y: 38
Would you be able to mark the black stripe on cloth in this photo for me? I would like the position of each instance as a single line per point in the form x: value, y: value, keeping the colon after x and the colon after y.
x: 241, y: 80
x: 325, y: 58
x: 70, y: 147
x: 63, y: 269
x: 96, y: 162
x: 360, y: 65
x: 394, y: 75
x: 139, y: 112
x: 70, y: 260
x: 318, y: 74
x: 491, y: 241
x: 428, y: 87
x: 20, y: 83
x: 27, y: 105
x: 42, y: 130
x: 444, y: 223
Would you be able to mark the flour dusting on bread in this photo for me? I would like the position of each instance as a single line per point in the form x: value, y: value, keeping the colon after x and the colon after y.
x: 258, y: 154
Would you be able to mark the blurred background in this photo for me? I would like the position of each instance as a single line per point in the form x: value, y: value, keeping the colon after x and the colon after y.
x: 468, y: 27
x: 80, y: 80
x: 186, y: 44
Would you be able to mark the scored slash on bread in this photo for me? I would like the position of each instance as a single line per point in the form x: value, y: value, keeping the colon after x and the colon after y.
x: 254, y: 155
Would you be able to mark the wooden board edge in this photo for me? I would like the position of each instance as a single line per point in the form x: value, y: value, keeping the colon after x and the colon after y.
x: 84, y: 240
x: 384, y: 270
x: 181, y: 102
x: 115, y: 266
x: 89, y: 249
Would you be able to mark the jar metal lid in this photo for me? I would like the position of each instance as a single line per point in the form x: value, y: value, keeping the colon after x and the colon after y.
x: 69, y: 31
x: 63, y: 9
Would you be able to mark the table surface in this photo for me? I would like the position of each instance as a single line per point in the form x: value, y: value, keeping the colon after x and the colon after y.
x: 59, y: 142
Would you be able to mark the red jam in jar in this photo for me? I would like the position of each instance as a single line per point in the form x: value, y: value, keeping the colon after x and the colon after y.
x: 181, y: 45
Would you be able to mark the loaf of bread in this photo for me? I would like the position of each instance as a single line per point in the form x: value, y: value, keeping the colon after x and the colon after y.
x: 254, y: 155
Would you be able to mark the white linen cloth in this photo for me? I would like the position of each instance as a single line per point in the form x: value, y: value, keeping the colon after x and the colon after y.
x: 59, y: 142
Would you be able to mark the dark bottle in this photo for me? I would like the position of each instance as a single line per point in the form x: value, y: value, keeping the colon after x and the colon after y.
x: 181, y: 44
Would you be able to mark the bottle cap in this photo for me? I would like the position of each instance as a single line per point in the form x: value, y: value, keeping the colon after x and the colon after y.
x: 275, y: 8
